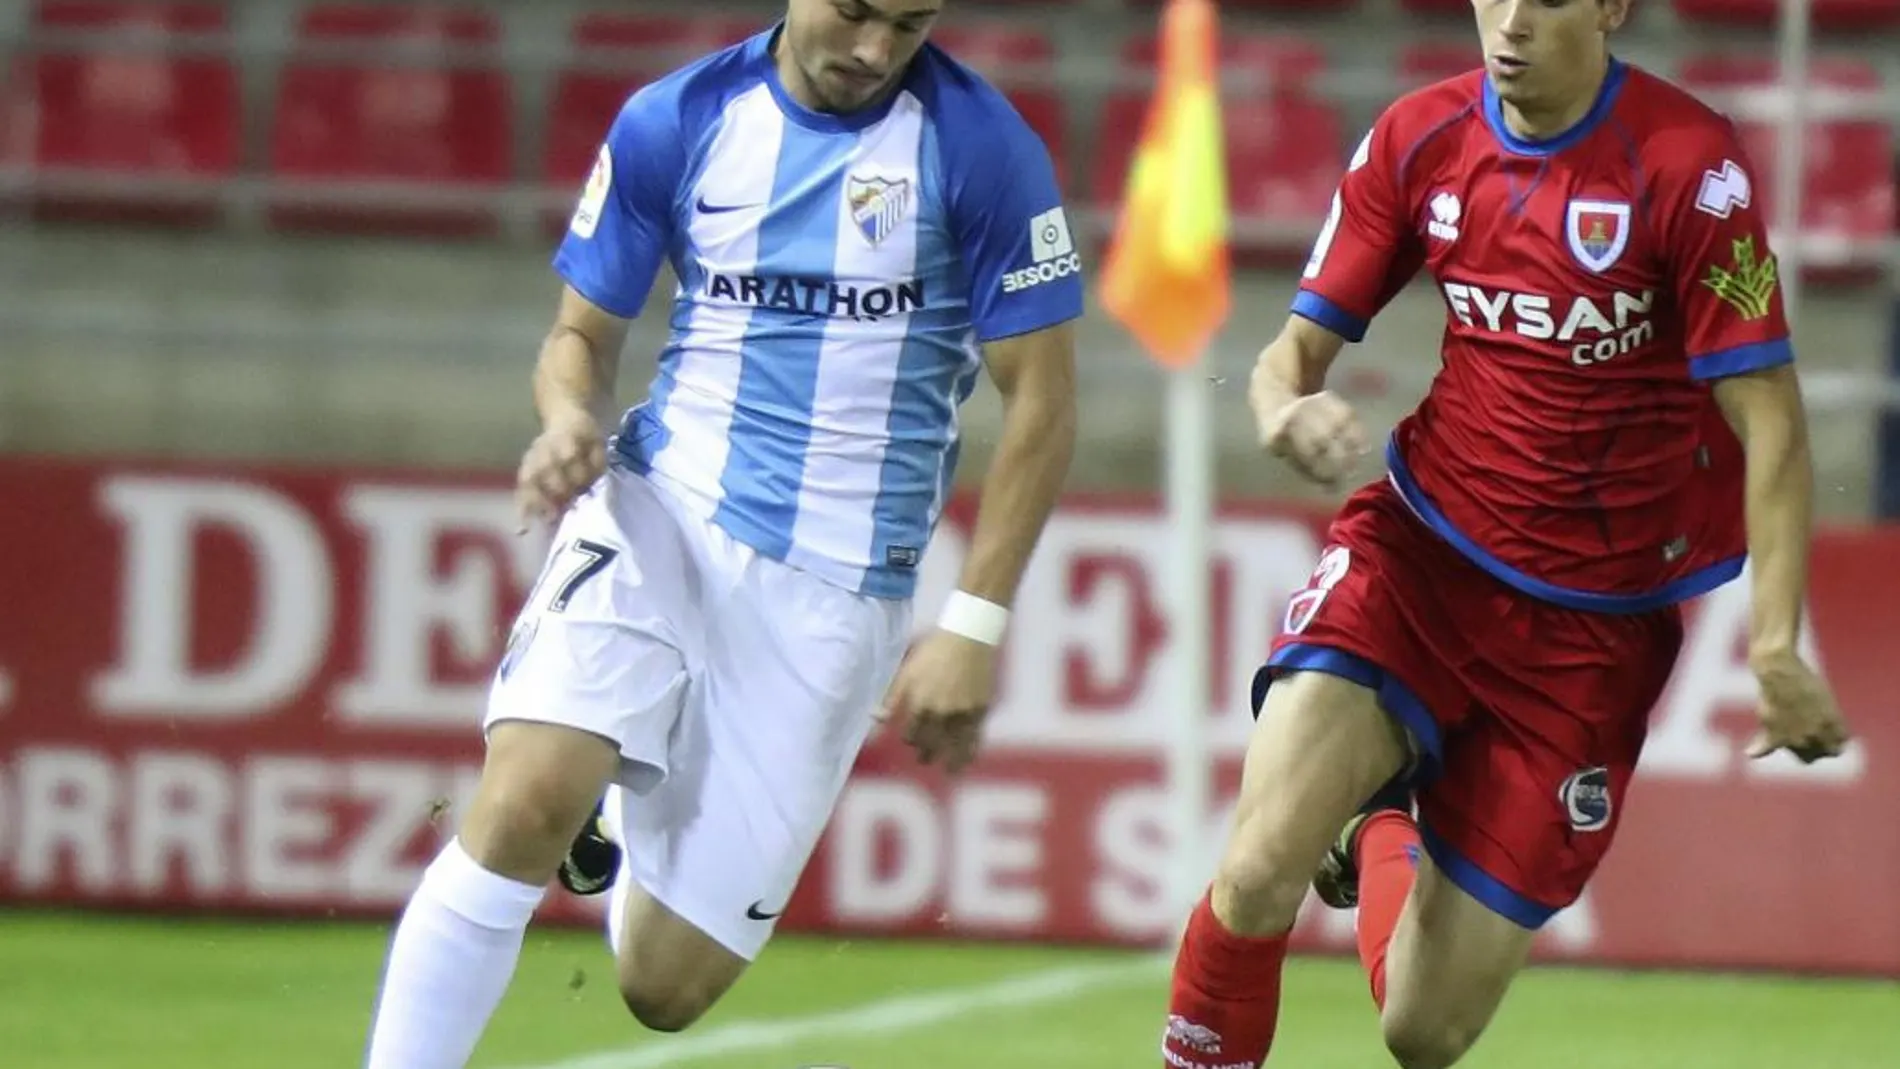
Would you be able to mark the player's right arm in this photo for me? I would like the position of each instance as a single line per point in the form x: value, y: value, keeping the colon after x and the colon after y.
x: 1365, y: 253
x: 1299, y: 420
x: 620, y: 233
x: 574, y: 396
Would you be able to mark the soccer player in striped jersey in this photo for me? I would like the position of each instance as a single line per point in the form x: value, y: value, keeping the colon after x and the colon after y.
x: 859, y: 226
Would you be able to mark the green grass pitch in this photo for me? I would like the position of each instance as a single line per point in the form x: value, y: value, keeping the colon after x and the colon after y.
x: 97, y: 992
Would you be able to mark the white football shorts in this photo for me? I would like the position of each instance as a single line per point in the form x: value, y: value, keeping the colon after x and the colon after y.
x: 738, y: 688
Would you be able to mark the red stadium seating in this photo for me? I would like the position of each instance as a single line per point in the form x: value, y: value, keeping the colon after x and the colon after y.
x: 428, y: 115
x: 16, y: 121
x: 1271, y: 6
x: 613, y: 56
x: 1284, y: 145
x: 1827, y: 14
x: 1438, y: 8
x: 1434, y: 61
x: 1020, y: 62
x: 1259, y: 61
x: 158, y: 121
x: 1847, y: 181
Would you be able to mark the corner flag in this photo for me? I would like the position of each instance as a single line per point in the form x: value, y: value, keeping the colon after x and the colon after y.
x: 1166, y: 276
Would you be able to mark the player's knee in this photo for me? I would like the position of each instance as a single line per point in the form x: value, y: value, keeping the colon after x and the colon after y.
x: 1261, y: 881
x: 528, y: 810
x: 1419, y: 1042
x: 533, y: 796
x: 660, y: 1005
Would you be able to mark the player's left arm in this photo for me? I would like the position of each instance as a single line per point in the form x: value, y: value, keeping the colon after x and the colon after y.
x: 1035, y: 375
x: 1736, y: 336
x: 1798, y: 712
x: 944, y: 688
x: 1765, y: 409
x: 1026, y: 291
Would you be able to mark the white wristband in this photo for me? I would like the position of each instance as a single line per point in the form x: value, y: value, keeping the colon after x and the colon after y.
x: 974, y: 618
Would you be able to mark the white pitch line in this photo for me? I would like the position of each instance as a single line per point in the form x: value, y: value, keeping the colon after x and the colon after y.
x: 900, y: 1014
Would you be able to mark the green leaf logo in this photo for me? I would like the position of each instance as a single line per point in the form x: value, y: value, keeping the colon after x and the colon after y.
x: 1746, y: 284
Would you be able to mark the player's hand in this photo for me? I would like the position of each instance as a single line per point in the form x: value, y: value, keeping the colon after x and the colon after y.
x: 1318, y: 434
x: 941, y: 696
x: 562, y: 462
x: 1798, y: 712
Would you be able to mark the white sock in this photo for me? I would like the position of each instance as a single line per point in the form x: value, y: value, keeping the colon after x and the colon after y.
x: 611, y: 802
x: 451, y: 960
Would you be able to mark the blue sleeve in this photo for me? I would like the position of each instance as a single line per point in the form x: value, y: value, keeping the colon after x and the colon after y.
x: 623, y: 226
x: 1025, y: 273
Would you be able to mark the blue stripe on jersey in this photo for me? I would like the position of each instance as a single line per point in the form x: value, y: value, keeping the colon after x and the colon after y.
x: 922, y: 410
x: 778, y: 370
x: 919, y: 459
x: 915, y: 462
x: 1693, y: 585
x: 643, y: 430
x: 1310, y: 305
x: 644, y: 433
x: 966, y: 385
x: 1742, y: 359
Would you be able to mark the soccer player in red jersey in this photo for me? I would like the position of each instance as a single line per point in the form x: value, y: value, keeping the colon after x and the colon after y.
x: 1450, y: 717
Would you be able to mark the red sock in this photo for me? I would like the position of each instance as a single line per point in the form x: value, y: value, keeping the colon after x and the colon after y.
x: 1388, y: 863
x: 1226, y: 996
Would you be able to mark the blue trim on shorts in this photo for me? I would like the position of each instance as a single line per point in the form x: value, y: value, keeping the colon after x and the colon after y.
x: 1490, y: 891
x: 1395, y: 697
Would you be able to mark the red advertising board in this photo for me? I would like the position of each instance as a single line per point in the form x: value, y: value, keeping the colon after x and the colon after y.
x: 253, y: 689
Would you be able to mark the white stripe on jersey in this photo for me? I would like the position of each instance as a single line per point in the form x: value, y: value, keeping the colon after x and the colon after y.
x: 858, y: 362
x: 704, y: 383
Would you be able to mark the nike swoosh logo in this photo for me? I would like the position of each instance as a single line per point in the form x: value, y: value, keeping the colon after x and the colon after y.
x: 720, y: 209
x: 753, y: 912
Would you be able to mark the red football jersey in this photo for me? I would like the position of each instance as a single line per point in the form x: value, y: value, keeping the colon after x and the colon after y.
x: 1595, y: 283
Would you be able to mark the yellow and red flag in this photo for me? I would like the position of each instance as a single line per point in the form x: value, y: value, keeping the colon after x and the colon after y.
x: 1166, y: 276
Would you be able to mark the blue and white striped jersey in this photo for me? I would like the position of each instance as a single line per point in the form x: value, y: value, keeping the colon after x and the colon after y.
x: 836, y: 276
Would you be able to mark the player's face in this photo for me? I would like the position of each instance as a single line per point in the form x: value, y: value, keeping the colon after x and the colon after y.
x: 1542, y: 55
x: 846, y: 53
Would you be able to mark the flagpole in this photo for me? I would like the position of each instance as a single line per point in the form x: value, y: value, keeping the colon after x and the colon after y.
x: 1190, y: 510
x: 1167, y: 279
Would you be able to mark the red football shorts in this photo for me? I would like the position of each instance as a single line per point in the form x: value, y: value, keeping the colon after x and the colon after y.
x: 1529, y: 716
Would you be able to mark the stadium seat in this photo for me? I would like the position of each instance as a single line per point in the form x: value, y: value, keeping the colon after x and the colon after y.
x: 1827, y: 14
x: 1437, y: 8
x: 1257, y: 61
x: 1284, y: 144
x: 423, y: 113
x: 1327, y: 6
x: 1434, y: 61
x: 16, y: 124
x: 613, y: 55
x: 1847, y: 178
x: 1020, y: 62
x: 121, y: 120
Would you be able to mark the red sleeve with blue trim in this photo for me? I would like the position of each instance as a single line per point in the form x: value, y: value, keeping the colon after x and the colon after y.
x: 1368, y: 249
x: 1726, y: 280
